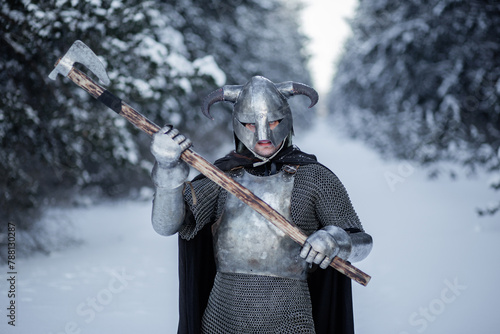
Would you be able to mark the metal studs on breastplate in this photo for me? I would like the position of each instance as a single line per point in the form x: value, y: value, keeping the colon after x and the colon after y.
x: 237, y: 172
x: 289, y: 172
x: 290, y: 169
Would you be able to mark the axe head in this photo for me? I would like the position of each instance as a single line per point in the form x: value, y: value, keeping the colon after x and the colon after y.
x: 80, y: 53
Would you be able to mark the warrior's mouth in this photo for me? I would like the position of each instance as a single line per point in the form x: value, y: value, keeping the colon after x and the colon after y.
x: 264, y: 143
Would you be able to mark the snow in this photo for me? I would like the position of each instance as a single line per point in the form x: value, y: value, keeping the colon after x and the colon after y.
x: 325, y: 23
x: 434, y: 265
x: 208, y: 66
x: 494, y: 181
x: 426, y: 236
x: 179, y: 64
x: 122, y: 278
x: 153, y: 50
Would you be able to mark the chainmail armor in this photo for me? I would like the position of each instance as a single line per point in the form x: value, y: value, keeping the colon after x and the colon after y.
x: 318, y: 199
x: 206, y: 201
x: 253, y: 304
x: 242, y: 303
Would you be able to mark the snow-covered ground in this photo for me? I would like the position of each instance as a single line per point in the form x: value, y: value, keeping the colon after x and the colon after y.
x: 434, y: 265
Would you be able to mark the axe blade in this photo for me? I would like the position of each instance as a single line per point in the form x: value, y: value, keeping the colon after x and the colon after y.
x: 80, y: 53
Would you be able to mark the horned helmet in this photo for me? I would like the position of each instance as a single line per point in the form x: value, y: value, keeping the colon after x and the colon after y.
x: 259, y: 102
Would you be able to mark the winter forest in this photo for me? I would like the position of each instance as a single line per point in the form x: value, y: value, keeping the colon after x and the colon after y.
x: 59, y: 145
x: 420, y: 81
x: 417, y: 84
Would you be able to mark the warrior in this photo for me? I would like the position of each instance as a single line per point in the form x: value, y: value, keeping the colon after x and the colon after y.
x: 238, y: 273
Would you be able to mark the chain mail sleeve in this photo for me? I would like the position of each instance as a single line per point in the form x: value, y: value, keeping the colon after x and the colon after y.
x: 319, y: 199
x: 202, y: 198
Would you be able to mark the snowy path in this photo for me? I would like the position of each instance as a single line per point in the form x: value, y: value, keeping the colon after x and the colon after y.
x: 123, y: 279
x: 435, y: 264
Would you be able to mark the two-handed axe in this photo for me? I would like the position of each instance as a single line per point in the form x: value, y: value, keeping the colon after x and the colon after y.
x: 81, y: 53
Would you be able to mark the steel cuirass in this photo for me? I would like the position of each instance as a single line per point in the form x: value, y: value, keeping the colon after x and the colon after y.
x: 245, y: 242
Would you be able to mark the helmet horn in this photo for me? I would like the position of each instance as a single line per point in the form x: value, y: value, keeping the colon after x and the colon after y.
x: 227, y: 93
x: 290, y: 88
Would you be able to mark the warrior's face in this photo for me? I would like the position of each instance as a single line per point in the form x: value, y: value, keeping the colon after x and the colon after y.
x: 262, y: 119
x: 264, y: 148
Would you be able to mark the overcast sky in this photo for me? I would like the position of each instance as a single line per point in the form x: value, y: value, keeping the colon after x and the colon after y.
x: 324, y: 22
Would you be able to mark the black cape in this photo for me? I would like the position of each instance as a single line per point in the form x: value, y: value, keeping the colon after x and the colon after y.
x: 331, y: 293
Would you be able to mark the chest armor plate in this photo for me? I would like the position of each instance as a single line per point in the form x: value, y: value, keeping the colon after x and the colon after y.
x: 245, y: 242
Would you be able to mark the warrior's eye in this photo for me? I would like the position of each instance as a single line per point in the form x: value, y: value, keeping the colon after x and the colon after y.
x: 274, y: 124
x: 250, y: 126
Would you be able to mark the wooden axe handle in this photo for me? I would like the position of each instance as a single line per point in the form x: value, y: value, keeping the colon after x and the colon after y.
x: 210, y: 171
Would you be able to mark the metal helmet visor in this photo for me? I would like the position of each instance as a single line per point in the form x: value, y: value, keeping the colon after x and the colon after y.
x: 262, y: 130
x: 261, y: 103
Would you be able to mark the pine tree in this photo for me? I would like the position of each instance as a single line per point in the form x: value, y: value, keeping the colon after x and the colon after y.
x: 58, y: 143
x: 420, y: 80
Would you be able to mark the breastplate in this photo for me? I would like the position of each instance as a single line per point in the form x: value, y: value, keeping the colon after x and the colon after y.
x: 245, y: 242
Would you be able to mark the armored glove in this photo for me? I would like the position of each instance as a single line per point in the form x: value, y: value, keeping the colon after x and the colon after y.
x: 167, y: 147
x: 323, y: 245
x: 169, y: 175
